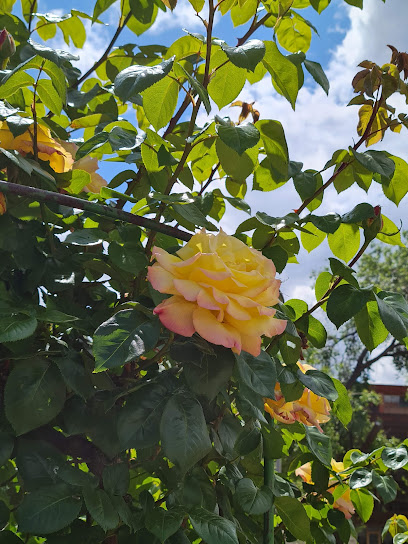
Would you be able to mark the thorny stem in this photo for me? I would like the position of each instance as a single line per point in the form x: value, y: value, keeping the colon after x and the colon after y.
x: 99, y: 209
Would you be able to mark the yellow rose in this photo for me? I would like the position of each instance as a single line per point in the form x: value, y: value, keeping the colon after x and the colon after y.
x: 48, y: 149
x: 90, y: 165
x: 221, y: 288
x: 342, y: 503
x: 3, y: 204
x: 310, y: 409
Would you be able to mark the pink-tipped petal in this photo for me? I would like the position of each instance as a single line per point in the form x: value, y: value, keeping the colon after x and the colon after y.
x: 188, y: 289
x: 161, y: 279
x: 222, y: 334
x: 176, y: 314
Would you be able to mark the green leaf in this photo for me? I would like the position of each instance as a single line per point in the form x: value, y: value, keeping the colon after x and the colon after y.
x: 345, y: 302
x: 319, y: 444
x: 129, y: 257
x: 139, y: 420
x: 164, y: 523
x: 183, y: 431
x: 17, y: 327
x: 340, y: 269
x: 101, y: 508
x: 57, y: 56
x: 376, y: 161
x: 275, y: 146
x: 85, y: 237
x: 342, y: 406
x: 92, y: 144
x: 247, y: 440
x: 370, y: 327
x: 75, y: 376
x: 294, y: 517
x: 246, y: 56
x: 199, y: 89
x: 227, y: 82
x: 34, y: 394
x: 193, y: 215
x: 6, y: 447
x: 386, y: 486
x: 239, y: 167
x: 284, y: 73
x: 394, y: 458
x: 49, y: 96
x: 316, y: 71
x: 212, y: 528
x: 48, y: 509
x: 397, y: 187
x: 294, y: 34
x: 363, y: 502
x: 16, y: 81
x: 318, y: 382
x: 358, y: 213
x: 205, y: 373
x: 361, y: 477
x: 124, y: 337
x: 160, y: 101
x: 251, y: 499
x: 395, y: 321
x: 239, y: 138
x: 327, y: 223
x: 258, y: 373
x: 345, y: 242
x: 137, y: 78
x: 116, y: 479
x: 316, y: 333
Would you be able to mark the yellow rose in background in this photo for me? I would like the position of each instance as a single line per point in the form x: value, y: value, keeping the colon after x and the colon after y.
x: 342, y: 503
x: 3, y: 204
x: 221, y: 288
x: 90, y: 165
x: 310, y: 409
x: 48, y: 149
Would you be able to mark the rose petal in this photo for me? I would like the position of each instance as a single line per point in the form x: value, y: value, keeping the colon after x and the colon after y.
x: 251, y: 344
x: 208, y: 327
x: 188, y: 289
x: 176, y: 314
x: 161, y: 279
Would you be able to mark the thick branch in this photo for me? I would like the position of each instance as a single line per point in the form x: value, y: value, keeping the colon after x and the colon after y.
x: 107, y: 211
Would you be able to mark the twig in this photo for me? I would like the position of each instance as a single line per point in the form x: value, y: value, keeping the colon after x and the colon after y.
x: 100, y: 209
x: 210, y: 179
x: 121, y: 26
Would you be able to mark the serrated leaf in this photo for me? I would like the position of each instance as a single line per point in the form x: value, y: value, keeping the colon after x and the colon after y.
x: 239, y: 138
x: 251, y: 499
x: 101, y: 508
x: 294, y: 517
x: 213, y: 529
x: 137, y: 78
x: 316, y: 71
x: 246, y: 56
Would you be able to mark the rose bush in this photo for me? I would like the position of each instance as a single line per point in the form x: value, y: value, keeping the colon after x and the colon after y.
x: 310, y: 409
x: 221, y: 289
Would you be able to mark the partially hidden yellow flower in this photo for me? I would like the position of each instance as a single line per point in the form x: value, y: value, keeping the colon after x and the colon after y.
x: 90, y: 165
x: 310, y: 409
x: 221, y: 288
x: 48, y: 149
x: 3, y: 204
x: 342, y: 503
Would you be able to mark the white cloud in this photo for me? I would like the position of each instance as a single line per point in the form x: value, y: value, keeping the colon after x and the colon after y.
x: 182, y: 17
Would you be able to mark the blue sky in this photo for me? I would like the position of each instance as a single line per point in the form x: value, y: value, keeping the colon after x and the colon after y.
x: 320, y: 125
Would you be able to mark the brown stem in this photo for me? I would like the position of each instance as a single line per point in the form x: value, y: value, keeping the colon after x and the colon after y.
x: 210, y: 179
x: 343, y: 165
x: 30, y: 17
x: 108, y: 211
x: 121, y: 26
x: 254, y: 26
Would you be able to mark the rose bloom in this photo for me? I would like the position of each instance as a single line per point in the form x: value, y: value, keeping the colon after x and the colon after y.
x: 343, y: 503
x: 310, y: 409
x: 48, y: 149
x: 221, y: 288
x: 89, y: 164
